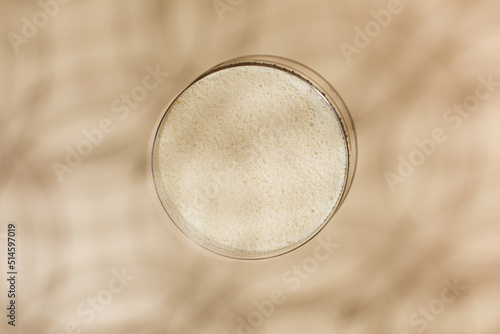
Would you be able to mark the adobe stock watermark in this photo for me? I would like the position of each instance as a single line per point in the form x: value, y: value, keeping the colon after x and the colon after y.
x: 421, y: 319
x: 292, y: 279
x: 224, y: 6
x: 88, y: 310
x: 372, y: 29
x: 120, y: 108
x: 31, y: 26
x: 453, y: 117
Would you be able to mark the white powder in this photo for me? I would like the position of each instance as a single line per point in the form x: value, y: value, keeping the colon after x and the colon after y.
x: 250, y: 159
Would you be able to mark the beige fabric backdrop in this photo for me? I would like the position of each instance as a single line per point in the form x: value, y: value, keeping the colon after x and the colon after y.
x: 97, y: 255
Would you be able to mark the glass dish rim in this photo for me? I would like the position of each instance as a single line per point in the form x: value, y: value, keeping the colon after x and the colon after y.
x: 333, y: 99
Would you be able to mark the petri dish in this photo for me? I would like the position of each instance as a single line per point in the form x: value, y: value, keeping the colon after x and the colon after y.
x: 254, y: 157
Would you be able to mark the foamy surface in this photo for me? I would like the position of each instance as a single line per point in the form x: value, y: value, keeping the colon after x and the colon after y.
x: 250, y: 160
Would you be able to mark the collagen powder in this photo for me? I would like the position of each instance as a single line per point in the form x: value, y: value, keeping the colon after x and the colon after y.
x: 250, y: 159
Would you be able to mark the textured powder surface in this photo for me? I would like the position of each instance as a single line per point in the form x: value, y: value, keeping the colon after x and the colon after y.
x: 250, y: 159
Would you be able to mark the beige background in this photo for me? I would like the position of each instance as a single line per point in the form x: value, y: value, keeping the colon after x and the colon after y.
x: 396, y: 247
